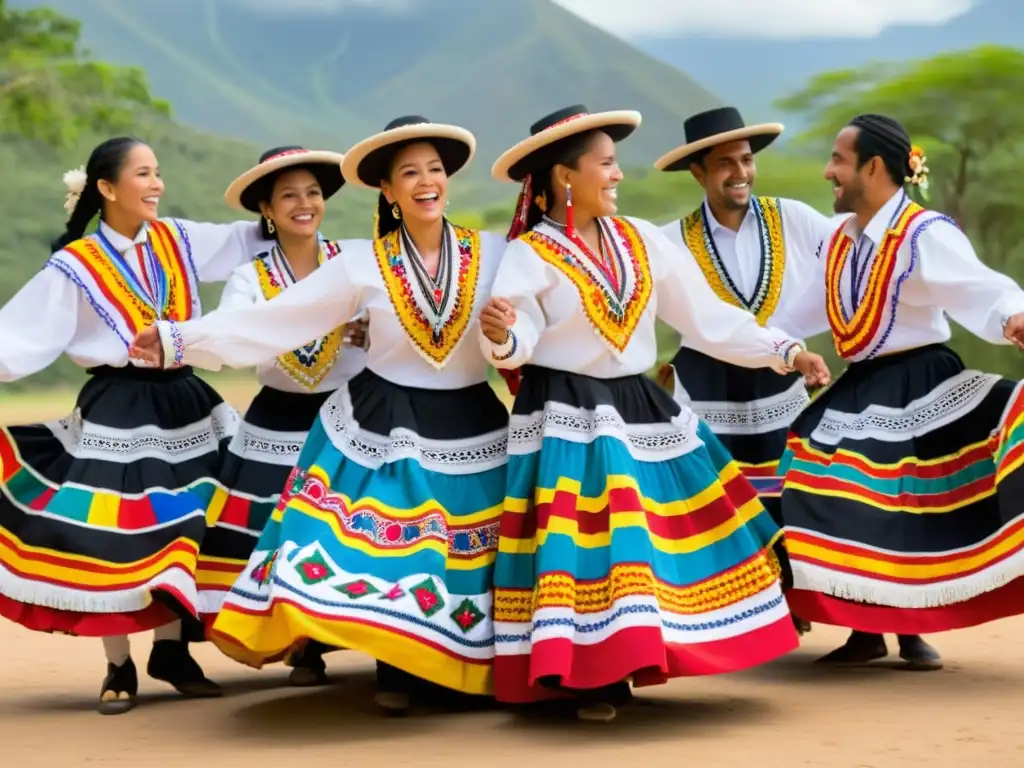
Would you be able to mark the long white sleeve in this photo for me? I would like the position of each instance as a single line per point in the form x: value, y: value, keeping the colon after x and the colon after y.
x: 521, y: 278
x: 238, y: 290
x: 37, y: 324
x: 245, y: 336
x: 974, y: 295
x: 806, y: 316
x: 688, y: 304
x: 217, y: 249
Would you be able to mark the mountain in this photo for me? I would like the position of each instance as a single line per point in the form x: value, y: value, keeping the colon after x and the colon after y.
x: 331, y: 79
x: 753, y: 73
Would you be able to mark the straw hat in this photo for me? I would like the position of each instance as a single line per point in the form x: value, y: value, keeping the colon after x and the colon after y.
x: 245, y: 192
x: 539, y: 150
x: 369, y: 162
x: 714, y: 127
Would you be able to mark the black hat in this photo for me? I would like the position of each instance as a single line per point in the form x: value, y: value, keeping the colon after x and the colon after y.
x: 540, y: 149
x: 714, y: 127
x: 245, y: 192
x: 369, y: 162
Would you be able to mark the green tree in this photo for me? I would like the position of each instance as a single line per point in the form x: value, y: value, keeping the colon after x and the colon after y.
x: 964, y: 109
x: 50, y: 88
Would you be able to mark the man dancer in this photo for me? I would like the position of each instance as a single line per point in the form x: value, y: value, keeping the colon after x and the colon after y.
x: 903, y: 480
x: 757, y: 253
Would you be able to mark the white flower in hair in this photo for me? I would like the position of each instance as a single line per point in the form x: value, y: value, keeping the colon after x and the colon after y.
x: 74, y: 180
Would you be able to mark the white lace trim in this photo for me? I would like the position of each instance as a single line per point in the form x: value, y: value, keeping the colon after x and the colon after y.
x: 756, y: 417
x: 451, y: 457
x: 646, y: 442
x: 951, y: 400
x: 266, y: 446
x: 88, y: 440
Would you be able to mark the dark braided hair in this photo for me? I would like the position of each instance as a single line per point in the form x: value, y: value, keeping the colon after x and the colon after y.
x: 105, y: 164
x: 883, y: 137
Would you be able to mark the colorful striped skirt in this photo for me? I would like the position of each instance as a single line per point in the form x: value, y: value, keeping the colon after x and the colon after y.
x: 749, y: 410
x: 259, y: 462
x: 103, y: 512
x: 904, y: 497
x: 632, y: 546
x: 384, y: 540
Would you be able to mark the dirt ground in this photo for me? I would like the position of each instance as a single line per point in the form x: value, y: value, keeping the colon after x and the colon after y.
x: 788, y: 714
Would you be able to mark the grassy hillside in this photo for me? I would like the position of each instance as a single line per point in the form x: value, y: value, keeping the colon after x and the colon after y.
x: 492, y: 66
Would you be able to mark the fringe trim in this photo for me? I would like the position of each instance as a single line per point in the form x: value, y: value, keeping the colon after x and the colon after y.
x: 936, y: 595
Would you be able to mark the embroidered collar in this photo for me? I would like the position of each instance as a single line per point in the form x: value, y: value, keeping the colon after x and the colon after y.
x: 119, y: 241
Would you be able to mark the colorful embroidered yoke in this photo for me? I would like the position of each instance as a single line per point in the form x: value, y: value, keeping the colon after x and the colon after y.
x: 127, y: 302
x: 434, y: 311
x: 613, y: 299
x: 765, y: 299
x: 310, y: 364
x: 862, y: 319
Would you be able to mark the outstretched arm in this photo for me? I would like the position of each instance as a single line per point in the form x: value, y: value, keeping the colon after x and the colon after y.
x: 217, y: 249
x: 245, y: 336
x: 38, y: 324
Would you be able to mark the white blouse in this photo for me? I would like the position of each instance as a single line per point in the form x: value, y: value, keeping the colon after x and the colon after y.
x: 766, y: 264
x: 936, y: 273
x: 550, y: 280
x: 53, y: 314
x: 417, y: 324
x: 323, y: 364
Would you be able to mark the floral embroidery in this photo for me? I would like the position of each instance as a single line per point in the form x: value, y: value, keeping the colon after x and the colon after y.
x: 852, y: 336
x: 435, y: 316
x: 613, y: 311
x: 310, y: 364
x: 764, y: 302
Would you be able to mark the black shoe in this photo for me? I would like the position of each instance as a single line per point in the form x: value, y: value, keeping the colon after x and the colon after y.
x: 860, y: 648
x: 120, y: 687
x: 308, y: 667
x: 919, y: 655
x: 170, y: 662
x: 394, y: 687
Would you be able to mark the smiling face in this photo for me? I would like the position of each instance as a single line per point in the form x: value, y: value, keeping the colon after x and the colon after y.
x: 135, y: 194
x: 296, y: 204
x: 727, y: 174
x: 418, y: 183
x: 594, y: 178
x: 848, y: 181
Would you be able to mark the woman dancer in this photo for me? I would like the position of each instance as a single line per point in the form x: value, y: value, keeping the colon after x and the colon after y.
x: 631, y: 544
x: 288, y: 188
x: 387, y: 532
x: 103, y: 512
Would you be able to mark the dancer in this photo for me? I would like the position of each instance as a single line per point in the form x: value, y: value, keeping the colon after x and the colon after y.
x: 102, y: 512
x: 288, y: 188
x: 755, y: 253
x: 386, y: 535
x: 631, y: 544
x: 902, y: 484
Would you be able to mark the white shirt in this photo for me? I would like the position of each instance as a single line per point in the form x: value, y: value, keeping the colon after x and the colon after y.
x: 52, y: 315
x: 344, y: 288
x: 937, y: 274
x: 745, y: 257
x: 551, y: 330
x: 244, y: 289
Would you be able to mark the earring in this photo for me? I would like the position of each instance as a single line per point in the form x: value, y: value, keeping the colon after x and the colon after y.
x: 396, y: 211
x: 569, y: 230
x: 270, y: 226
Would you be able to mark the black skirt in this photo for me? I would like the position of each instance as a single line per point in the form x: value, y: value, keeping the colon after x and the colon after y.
x: 103, y: 512
x: 259, y: 460
x: 749, y: 410
x: 902, y: 498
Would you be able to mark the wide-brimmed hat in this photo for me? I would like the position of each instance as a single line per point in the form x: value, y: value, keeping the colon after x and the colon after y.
x: 245, y: 192
x: 714, y: 127
x: 369, y: 162
x: 540, y: 150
